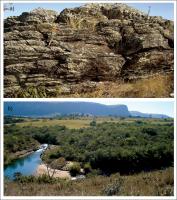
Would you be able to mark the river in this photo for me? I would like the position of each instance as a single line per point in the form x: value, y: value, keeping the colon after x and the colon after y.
x: 26, y: 165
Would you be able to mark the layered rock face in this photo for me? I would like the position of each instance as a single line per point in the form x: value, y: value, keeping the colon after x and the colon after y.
x: 97, y: 42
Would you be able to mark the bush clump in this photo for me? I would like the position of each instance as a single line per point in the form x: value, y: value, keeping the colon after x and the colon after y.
x: 113, y: 188
x: 87, y: 168
x: 75, y: 169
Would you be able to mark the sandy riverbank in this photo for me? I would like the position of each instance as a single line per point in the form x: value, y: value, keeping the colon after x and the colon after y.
x: 42, y: 169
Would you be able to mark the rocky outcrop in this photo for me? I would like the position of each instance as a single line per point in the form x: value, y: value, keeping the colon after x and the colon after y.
x: 49, y: 53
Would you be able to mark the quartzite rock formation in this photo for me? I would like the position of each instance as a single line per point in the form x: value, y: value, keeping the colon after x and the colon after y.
x: 85, y: 45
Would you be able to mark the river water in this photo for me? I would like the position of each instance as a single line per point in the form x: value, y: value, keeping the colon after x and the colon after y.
x: 26, y: 165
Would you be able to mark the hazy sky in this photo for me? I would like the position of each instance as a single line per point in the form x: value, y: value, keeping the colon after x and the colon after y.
x: 154, y: 106
x: 157, y: 9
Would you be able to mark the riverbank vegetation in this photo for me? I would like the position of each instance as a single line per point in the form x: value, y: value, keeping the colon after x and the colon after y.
x: 17, y: 145
x: 137, y: 151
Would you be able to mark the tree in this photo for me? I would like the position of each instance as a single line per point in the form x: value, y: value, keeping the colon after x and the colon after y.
x: 53, y: 164
x: 57, y: 164
x: 150, y: 131
x: 93, y: 123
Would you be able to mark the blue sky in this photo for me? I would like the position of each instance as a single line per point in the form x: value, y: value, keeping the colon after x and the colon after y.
x: 157, y: 9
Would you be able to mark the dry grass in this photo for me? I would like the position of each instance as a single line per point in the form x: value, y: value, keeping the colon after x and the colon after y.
x: 79, y: 23
x: 31, y: 92
x: 156, y: 183
x: 82, y: 21
x: 83, y: 122
x: 69, y: 123
x: 75, y: 124
x: 158, y: 86
x: 47, y: 27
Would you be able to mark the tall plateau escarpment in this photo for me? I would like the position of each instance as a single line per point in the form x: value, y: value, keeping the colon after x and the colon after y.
x: 55, y: 53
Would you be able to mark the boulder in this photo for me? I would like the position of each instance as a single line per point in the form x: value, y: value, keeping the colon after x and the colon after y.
x: 84, y: 45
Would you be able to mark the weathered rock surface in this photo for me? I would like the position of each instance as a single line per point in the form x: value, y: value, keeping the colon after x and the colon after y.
x: 96, y: 42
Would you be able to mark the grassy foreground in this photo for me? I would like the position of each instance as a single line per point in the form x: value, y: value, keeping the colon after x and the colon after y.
x: 157, y: 86
x: 155, y: 183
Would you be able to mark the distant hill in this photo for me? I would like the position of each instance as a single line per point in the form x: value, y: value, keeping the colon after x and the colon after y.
x: 51, y: 109
x: 40, y: 109
x: 147, y: 115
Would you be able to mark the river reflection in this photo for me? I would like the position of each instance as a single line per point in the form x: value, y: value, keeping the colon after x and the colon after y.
x: 26, y: 166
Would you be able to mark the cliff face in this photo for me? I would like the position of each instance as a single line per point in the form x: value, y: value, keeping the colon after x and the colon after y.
x: 85, y: 45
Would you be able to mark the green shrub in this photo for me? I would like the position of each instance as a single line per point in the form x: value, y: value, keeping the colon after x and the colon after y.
x: 46, y: 179
x: 75, y: 169
x: 150, y: 131
x: 24, y: 179
x: 32, y: 179
x: 87, y: 168
x: 58, y: 163
x: 113, y: 188
x: 93, y: 123
x: 94, y: 172
x: 139, y: 122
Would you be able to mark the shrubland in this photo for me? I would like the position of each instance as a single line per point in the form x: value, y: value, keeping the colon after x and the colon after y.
x: 119, y: 157
x: 108, y: 146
